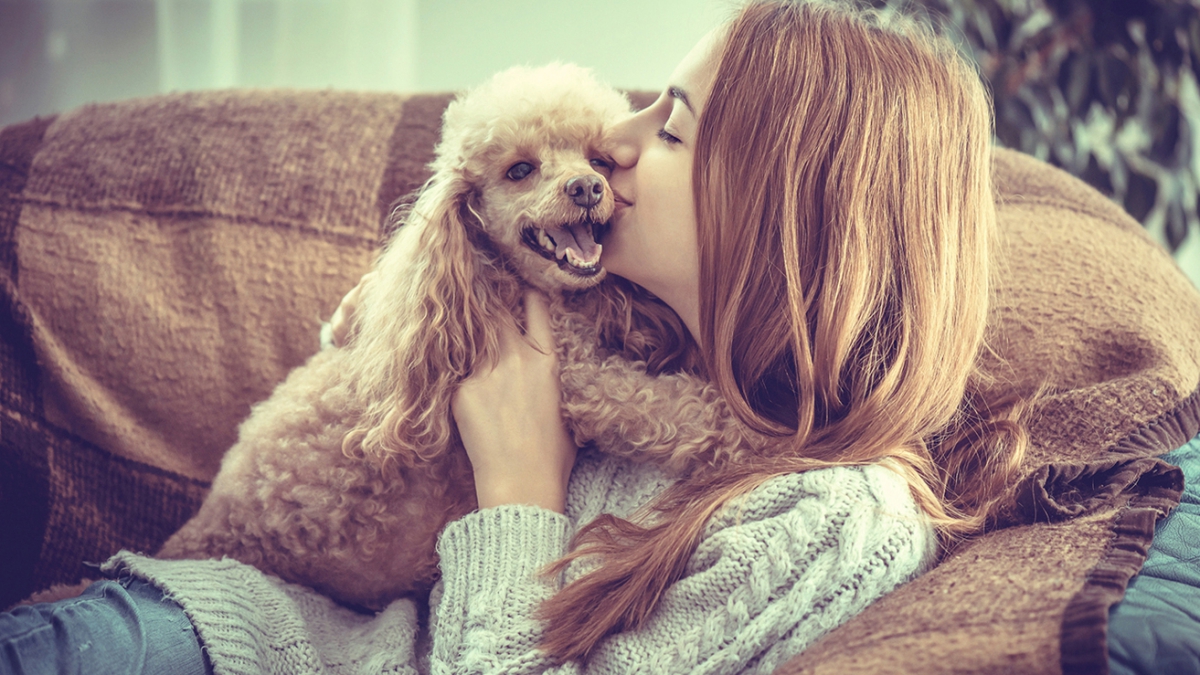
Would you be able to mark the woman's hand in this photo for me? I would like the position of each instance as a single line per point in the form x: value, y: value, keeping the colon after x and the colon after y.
x: 510, y: 419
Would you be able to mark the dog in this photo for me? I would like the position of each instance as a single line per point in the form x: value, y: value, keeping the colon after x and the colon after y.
x: 342, y: 479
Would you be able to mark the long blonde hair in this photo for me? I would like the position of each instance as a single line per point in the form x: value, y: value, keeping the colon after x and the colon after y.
x: 843, y: 192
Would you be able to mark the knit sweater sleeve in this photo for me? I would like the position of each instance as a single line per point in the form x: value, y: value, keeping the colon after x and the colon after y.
x: 795, y: 558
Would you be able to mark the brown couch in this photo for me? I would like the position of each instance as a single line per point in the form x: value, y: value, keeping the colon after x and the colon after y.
x: 164, y: 262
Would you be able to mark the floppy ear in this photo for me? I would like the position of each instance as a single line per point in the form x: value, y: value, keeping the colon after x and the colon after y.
x: 428, y: 317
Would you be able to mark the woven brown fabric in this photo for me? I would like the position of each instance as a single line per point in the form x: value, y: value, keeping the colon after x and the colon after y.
x: 166, y: 261
x: 198, y: 225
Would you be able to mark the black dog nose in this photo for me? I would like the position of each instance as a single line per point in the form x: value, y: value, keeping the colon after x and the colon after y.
x: 586, y: 190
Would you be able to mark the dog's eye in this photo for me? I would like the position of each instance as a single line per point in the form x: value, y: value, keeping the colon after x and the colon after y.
x: 602, y: 164
x: 519, y: 170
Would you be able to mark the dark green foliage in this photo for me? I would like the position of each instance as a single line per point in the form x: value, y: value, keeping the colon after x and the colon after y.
x: 1105, y: 89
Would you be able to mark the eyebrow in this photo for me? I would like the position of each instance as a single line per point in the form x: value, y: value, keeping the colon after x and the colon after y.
x: 676, y: 92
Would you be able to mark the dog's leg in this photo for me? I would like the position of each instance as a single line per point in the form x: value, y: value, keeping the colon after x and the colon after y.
x: 676, y: 420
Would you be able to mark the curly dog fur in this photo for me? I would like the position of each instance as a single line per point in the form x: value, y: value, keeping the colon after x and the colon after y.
x: 342, y: 479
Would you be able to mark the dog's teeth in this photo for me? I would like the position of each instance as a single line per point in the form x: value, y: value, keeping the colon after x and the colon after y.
x: 575, y: 261
x: 545, y: 240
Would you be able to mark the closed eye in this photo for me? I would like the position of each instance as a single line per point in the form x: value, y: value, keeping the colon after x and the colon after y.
x: 668, y: 138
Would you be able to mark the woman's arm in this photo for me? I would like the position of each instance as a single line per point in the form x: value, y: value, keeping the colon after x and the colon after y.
x: 797, y: 557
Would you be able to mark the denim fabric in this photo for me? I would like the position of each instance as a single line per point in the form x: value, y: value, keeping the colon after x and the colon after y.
x: 125, y: 628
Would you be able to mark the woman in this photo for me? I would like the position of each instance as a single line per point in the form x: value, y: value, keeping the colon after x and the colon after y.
x: 811, y: 196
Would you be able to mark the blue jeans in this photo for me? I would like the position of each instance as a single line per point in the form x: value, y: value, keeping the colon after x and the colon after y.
x: 121, y: 627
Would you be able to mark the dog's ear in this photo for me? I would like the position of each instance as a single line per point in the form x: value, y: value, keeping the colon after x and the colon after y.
x: 427, y: 318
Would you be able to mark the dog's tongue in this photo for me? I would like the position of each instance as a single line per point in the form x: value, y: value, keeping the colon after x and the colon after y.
x: 578, y: 239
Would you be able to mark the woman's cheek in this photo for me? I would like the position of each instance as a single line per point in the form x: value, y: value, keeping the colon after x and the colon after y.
x: 618, y: 246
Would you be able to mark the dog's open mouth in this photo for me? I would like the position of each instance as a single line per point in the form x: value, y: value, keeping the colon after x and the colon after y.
x: 572, y: 245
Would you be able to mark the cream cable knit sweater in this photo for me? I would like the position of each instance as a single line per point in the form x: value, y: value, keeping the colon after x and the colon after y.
x: 802, y: 554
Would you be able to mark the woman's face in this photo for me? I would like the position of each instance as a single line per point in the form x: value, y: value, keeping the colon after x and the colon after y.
x: 653, y: 240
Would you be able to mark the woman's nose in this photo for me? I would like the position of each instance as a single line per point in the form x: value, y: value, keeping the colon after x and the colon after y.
x: 625, y: 147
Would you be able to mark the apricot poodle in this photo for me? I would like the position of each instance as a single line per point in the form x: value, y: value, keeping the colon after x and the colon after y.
x: 342, y: 479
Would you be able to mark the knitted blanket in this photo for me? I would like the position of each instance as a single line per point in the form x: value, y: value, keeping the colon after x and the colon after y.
x: 165, y: 261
